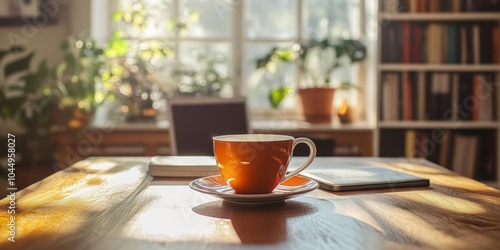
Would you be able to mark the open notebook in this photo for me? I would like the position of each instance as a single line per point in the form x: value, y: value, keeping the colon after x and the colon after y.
x: 348, y: 176
x: 182, y: 166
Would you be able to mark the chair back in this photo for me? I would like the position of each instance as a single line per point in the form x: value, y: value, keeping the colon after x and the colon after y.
x: 195, y: 121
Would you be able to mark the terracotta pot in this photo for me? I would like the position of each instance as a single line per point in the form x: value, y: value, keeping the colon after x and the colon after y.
x: 317, y: 104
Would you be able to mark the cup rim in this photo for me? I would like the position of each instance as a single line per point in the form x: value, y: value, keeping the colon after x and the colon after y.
x: 252, y: 138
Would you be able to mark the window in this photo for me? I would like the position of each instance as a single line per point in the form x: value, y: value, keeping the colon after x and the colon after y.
x: 236, y: 33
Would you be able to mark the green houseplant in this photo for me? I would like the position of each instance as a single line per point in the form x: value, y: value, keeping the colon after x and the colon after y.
x: 317, y: 60
x: 26, y: 98
x: 80, y: 78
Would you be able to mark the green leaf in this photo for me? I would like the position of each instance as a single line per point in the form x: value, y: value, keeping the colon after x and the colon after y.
x: 117, y: 46
x: 117, y: 16
x: 276, y: 96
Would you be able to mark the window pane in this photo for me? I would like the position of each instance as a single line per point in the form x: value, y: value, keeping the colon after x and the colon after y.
x: 146, y: 19
x: 210, y: 64
x: 271, y: 19
x: 329, y: 18
x: 206, y: 18
x: 259, y: 82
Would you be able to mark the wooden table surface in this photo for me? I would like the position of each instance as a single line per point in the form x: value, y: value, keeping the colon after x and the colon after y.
x: 112, y: 203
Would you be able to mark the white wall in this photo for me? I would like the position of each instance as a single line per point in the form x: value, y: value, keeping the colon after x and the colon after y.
x: 72, y: 17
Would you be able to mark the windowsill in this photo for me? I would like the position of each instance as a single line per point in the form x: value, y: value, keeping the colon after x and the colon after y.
x: 257, y: 123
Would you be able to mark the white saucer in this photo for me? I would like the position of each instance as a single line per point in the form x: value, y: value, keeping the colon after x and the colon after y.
x: 216, y: 185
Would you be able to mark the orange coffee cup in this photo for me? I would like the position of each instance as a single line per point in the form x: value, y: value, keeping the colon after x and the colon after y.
x: 257, y: 163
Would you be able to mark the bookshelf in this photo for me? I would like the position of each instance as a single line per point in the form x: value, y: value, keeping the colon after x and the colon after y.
x: 438, y: 90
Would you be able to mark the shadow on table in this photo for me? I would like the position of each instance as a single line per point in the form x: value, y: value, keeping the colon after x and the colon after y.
x: 257, y: 224
x: 297, y: 222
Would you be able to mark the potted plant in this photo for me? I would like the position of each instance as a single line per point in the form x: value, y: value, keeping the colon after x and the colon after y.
x: 79, y: 78
x: 137, y: 63
x: 317, y: 61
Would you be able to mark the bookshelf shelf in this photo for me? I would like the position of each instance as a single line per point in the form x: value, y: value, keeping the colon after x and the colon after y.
x: 435, y: 57
x: 440, y: 17
x: 439, y: 67
x: 438, y: 124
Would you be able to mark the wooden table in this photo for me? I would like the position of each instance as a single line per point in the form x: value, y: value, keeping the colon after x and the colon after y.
x: 112, y: 203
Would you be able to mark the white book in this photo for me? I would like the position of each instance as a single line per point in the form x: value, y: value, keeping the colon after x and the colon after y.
x: 183, y: 166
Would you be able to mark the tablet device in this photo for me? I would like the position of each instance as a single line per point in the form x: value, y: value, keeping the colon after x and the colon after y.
x: 349, y: 177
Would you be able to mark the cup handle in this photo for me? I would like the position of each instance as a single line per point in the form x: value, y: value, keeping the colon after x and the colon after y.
x: 312, y: 155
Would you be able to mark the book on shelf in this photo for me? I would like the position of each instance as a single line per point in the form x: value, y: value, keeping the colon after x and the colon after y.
x: 410, y: 137
x: 391, y: 6
x: 434, y: 6
x: 486, y: 34
x: 471, y: 153
x: 455, y: 96
x: 475, y: 44
x: 465, y: 153
x: 416, y: 44
x: 444, y: 152
x: 407, y: 97
x: 438, y: 96
x: 452, y: 44
x: 421, y: 96
x: 390, y: 96
x: 406, y: 38
x: 496, y: 45
x: 483, y: 98
x: 440, y: 42
x: 486, y: 158
x: 464, y: 93
x: 456, y: 5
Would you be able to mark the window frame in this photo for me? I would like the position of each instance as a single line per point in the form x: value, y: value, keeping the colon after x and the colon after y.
x: 237, y: 42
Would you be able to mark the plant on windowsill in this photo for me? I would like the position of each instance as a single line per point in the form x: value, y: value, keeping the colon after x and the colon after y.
x: 80, y: 77
x: 317, y: 61
x: 137, y: 65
